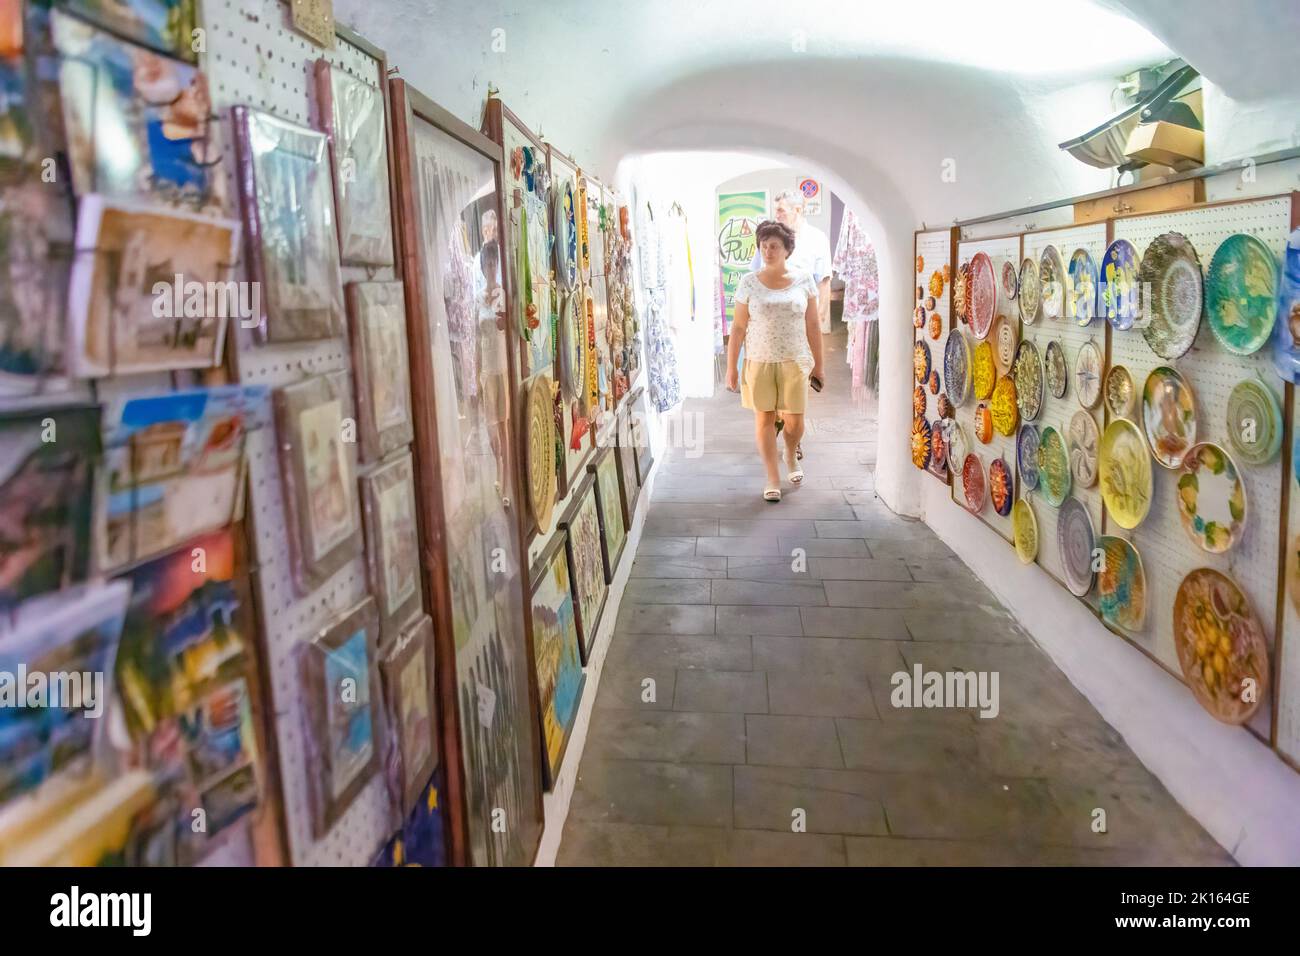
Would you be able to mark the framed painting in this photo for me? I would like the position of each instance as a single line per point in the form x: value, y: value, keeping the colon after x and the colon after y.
x: 319, y: 473
x: 292, y: 242
x: 352, y: 112
x: 609, y: 508
x: 174, y: 466
x: 380, y: 367
x: 639, y: 433
x: 138, y: 125
x: 163, y: 25
x: 581, y: 523
x: 392, y: 544
x: 627, y: 475
x: 407, y: 670
x: 556, y: 657
x: 149, y: 289
x: 341, y: 687
x: 46, y: 490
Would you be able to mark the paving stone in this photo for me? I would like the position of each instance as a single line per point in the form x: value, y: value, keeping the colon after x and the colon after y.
x: 812, y: 694
x: 586, y: 843
x: 756, y: 509
x: 636, y: 791
x: 622, y: 687
x: 665, y: 619
x: 679, y: 567
x: 762, y: 848
x: 742, y: 619
x: 882, y: 625
x: 1136, y: 816
x: 763, y: 592
x: 901, y: 851
x: 784, y: 741
x: 775, y: 526
x: 827, y: 655
x: 734, y: 692
x: 659, y: 525
x: 895, y: 747
x: 959, y: 625
x: 665, y: 547
x: 825, y: 547
x: 669, y: 736
x: 1084, y: 751
x: 919, y: 551
x: 833, y: 801
x: 667, y: 591
x: 648, y: 654
x: 898, y: 594
x: 740, y: 547
x: 953, y: 805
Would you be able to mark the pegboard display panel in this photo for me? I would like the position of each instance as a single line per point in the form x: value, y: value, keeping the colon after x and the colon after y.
x: 933, y: 251
x: 1058, y: 412
x: 1167, y: 552
x: 1287, y: 657
x: 1005, y: 249
x: 256, y: 59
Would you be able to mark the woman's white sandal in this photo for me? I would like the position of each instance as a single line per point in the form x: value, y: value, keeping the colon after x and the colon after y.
x: 772, y: 494
x: 796, y: 476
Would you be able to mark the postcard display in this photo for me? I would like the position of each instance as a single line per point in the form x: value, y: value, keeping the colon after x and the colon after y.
x: 337, y: 803
x: 1265, y: 545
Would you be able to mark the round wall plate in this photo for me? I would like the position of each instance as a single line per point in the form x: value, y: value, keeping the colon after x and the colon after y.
x: 1169, y: 415
x: 1221, y: 646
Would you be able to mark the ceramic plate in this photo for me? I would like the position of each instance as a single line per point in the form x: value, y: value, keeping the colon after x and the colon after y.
x: 1029, y: 298
x: 1087, y: 375
x: 1220, y: 646
x: 1173, y: 271
x: 1024, y: 530
x: 1005, y: 338
x: 935, y: 326
x: 1124, y: 469
x: 918, y: 401
x: 1074, y: 538
x: 934, y: 383
x: 1254, y: 422
x: 972, y: 483
x: 1001, y: 492
x: 1211, y: 498
x: 1286, y: 345
x: 920, y: 442
x: 1003, y: 407
x: 1082, y: 439
x: 983, y: 294
x: 983, y: 423
x: 1053, y: 466
x: 1010, y: 281
x: 945, y: 405
x: 936, y: 284
x: 918, y: 317
x: 1051, y: 283
x: 1027, y: 456
x: 1081, y: 304
x: 1056, y: 373
x: 921, y: 361
x: 542, y: 480
x: 1119, y: 284
x: 984, y: 373
x: 958, y: 447
x: 1028, y: 373
x: 1169, y: 415
x: 961, y: 292
x: 1121, y: 584
x: 1119, y: 391
x: 938, y: 450
x: 1241, y: 294
x: 956, y: 367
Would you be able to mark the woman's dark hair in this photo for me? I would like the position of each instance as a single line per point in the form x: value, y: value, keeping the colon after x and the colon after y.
x: 770, y: 228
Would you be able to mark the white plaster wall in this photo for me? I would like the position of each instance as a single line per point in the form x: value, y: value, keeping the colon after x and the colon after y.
x: 776, y: 180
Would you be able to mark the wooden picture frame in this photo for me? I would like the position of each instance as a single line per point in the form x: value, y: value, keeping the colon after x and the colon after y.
x: 639, y: 429
x: 344, y: 651
x: 557, y: 655
x: 611, y: 509
x: 407, y: 669
x: 381, y: 367
x: 585, y: 551
x: 626, y: 453
x: 392, y: 544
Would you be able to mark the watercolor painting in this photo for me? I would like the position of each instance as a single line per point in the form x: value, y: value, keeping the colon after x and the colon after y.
x: 556, y: 655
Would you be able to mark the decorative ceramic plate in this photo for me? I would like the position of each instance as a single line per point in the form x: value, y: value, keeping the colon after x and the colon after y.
x: 1056, y: 373
x: 920, y: 264
x: 1075, y: 541
x: 984, y: 373
x: 1124, y: 469
x: 1051, y: 283
x: 1173, y: 270
x: 920, y: 442
x: 921, y: 361
x: 1081, y: 303
x: 1029, y: 298
x: 1027, y: 456
x: 1211, y: 498
x: 1169, y: 415
x: 937, y: 281
x: 1087, y: 375
x: 930, y: 303
x: 945, y: 405
x: 938, y: 449
x: 1003, y: 407
x: 1286, y: 344
x: 918, y: 317
x: 1119, y: 284
x: 1028, y: 372
x: 1221, y: 646
x: 1082, y: 439
x: 1005, y: 338
x: 1053, y: 466
x: 956, y: 366
x: 1120, y: 392
x: 936, y: 325
x: 918, y: 401
x: 1241, y: 294
x: 1010, y: 281
x: 983, y: 423
x: 983, y: 288
x: 1121, y: 584
x: 934, y: 382
x: 1254, y: 422
x: 958, y: 447
x: 972, y: 483
x: 541, y: 450
x: 1000, y: 487
x: 961, y: 292
x: 1024, y: 531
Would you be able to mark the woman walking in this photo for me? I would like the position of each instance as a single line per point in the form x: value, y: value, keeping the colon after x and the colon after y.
x: 776, y: 320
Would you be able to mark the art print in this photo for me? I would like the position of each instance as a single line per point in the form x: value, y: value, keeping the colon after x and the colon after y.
x: 149, y: 289
x: 392, y: 544
x: 353, y: 113
x: 609, y: 506
x: 164, y: 25
x: 378, y: 329
x: 556, y: 655
x: 586, y: 563
x: 408, y: 690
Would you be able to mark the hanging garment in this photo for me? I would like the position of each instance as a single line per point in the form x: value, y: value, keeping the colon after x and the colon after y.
x: 661, y: 354
x: 855, y: 261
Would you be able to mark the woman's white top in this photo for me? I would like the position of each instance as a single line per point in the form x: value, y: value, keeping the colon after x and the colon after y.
x: 777, y: 332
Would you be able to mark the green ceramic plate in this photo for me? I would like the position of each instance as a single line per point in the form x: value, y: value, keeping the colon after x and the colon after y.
x: 1254, y: 422
x: 1241, y: 294
x: 1053, y: 466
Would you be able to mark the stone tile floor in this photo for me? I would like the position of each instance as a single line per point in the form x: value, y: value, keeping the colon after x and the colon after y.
x: 772, y: 688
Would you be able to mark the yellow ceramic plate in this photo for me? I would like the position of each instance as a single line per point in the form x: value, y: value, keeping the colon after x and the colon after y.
x: 984, y: 374
x: 1006, y: 414
x: 1124, y: 469
x: 1024, y: 527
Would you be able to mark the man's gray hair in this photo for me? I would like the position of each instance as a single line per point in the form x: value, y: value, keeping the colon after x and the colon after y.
x: 789, y: 195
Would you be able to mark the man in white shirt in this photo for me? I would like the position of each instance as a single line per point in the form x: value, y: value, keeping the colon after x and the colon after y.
x: 812, y: 250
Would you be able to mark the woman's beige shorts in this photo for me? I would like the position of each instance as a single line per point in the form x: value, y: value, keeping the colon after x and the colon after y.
x: 774, y: 387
